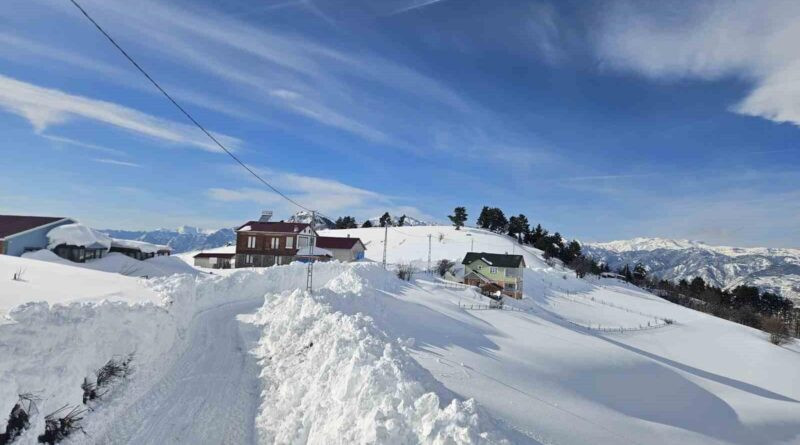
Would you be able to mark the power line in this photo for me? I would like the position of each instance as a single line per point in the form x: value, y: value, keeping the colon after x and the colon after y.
x: 182, y: 110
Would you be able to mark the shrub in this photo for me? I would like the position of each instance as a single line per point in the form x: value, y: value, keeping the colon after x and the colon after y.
x: 58, y: 428
x: 777, y: 330
x: 404, y: 272
x: 19, y: 419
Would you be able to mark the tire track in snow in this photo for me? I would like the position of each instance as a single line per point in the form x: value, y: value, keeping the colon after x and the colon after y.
x: 209, y: 395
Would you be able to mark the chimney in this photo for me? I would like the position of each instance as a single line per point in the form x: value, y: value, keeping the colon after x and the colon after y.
x: 265, y: 216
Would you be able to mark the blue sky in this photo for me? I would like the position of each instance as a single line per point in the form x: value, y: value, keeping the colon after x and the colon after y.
x: 603, y: 120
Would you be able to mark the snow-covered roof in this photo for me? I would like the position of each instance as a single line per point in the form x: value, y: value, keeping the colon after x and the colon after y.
x: 138, y: 245
x: 77, y: 235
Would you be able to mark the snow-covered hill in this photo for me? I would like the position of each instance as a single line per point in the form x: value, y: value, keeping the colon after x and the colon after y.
x: 182, y: 239
x: 251, y: 357
x: 775, y: 270
x: 304, y: 217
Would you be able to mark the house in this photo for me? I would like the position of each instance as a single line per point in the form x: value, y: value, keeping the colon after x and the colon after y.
x: 264, y: 243
x: 20, y: 234
x: 139, y: 250
x: 342, y: 249
x: 502, y: 270
x: 214, y: 260
x: 77, y: 242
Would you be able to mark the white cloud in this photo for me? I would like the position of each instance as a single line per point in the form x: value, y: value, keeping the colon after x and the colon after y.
x: 753, y: 41
x: 116, y: 162
x: 45, y: 107
x: 328, y: 196
x: 96, y: 147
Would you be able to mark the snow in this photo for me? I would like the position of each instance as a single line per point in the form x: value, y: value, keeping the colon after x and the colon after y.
x: 366, y: 358
x: 317, y: 251
x: 139, y: 245
x: 118, y: 263
x: 77, y: 235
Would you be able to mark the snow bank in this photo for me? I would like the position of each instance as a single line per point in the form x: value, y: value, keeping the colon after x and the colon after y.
x: 77, y: 235
x: 118, y: 263
x: 334, y: 377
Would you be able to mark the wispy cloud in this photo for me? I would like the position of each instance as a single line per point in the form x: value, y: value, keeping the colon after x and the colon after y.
x: 116, y: 162
x: 740, y: 39
x: 95, y: 147
x: 45, y: 107
x: 414, y: 5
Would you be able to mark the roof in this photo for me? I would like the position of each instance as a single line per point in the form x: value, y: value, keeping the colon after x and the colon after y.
x: 332, y: 242
x: 13, y: 224
x: 139, y: 245
x: 280, y: 227
x: 214, y: 255
x: 494, y: 259
x: 77, y: 235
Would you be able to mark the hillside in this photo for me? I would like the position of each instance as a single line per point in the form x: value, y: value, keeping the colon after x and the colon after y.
x: 367, y: 358
x: 769, y: 269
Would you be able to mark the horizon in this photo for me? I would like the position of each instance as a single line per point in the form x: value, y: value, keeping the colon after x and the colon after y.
x: 603, y: 121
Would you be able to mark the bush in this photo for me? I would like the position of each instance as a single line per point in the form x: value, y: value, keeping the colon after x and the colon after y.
x: 404, y: 272
x: 443, y: 266
x: 777, y: 330
x: 19, y: 419
x: 114, y: 369
x: 58, y: 428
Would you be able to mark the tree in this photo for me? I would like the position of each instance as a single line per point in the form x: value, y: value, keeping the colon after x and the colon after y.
x: 484, y: 219
x: 697, y: 286
x: 777, y: 330
x: 402, y: 221
x: 346, y: 222
x: 459, y: 217
x: 498, y: 222
x: 443, y: 266
x: 385, y: 220
x: 518, y: 226
x: 367, y: 224
x: 581, y: 265
x: 639, y: 274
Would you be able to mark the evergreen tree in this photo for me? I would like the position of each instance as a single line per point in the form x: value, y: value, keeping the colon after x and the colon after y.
x: 497, y: 222
x: 639, y: 273
x: 346, y: 222
x: 484, y: 219
x: 385, y: 220
x: 459, y: 217
x: 367, y: 224
x: 402, y: 221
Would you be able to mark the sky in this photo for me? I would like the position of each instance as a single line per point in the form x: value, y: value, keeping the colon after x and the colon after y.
x: 602, y: 120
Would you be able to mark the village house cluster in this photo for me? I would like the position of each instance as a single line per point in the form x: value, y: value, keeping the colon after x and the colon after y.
x: 265, y: 243
x: 68, y: 239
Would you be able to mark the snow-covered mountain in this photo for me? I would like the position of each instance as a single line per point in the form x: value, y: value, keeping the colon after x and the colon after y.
x: 320, y: 222
x: 776, y: 270
x: 182, y: 239
x: 408, y: 221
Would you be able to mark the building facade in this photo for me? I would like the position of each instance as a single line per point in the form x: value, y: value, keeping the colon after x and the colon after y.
x: 264, y: 244
x: 505, y: 271
x: 342, y: 249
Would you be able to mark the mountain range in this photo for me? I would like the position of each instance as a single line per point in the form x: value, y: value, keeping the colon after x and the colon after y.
x: 182, y: 239
x: 770, y: 269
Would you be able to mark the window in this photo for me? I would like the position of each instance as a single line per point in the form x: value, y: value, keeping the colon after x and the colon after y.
x: 289, y: 242
x: 274, y: 242
x: 510, y: 286
x: 251, y: 242
x: 302, y: 242
x: 510, y: 273
x: 493, y: 270
x: 248, y: 259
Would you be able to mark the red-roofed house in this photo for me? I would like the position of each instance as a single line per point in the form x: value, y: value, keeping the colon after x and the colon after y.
x: 342, y: 249
x: 264, y: 243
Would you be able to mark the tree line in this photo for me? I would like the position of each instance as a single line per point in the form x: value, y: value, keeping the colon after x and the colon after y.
x: 745, y: 305
x: 349, y: 222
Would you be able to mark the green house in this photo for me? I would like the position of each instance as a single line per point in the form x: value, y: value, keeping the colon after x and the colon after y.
x: 502, y: 270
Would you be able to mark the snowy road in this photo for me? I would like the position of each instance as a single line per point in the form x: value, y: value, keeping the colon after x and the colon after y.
x: 211, y: 393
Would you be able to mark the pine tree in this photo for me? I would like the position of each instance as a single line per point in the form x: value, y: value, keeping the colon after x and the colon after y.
x: 385, y: 220
x: 639, y: 273
x: 367, y: 224
x: 402, y: 221
x: 459, y: 217
x: 485, y: 218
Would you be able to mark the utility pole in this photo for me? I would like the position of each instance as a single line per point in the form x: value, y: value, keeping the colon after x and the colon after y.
x: 310, y: 276
x: 472, y: 244
x: 429, y: 253
x: 385, y: 238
